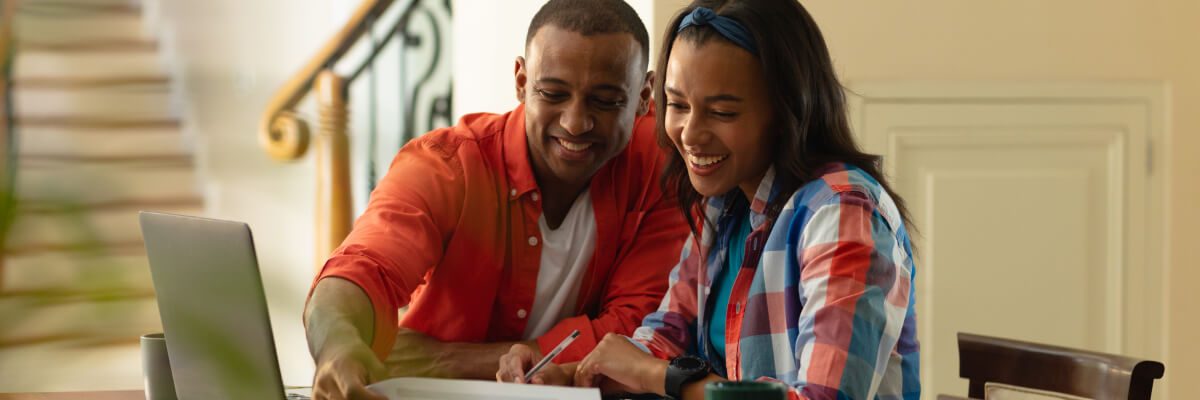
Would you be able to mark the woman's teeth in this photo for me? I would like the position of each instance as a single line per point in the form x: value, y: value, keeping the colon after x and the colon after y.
x: 574, y: 146
x: 705, y: 161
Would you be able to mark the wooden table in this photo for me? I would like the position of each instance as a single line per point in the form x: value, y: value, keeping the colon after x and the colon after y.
x: 99, y: 395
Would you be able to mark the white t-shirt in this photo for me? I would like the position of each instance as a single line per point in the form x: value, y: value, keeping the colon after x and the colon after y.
x: 566, y: 253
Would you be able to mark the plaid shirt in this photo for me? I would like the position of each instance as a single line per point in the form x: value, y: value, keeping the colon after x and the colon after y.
x: 828, y: 306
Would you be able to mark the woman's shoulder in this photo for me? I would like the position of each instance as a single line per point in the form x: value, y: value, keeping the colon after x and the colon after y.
x: 841, y: 183
x: 835, y: 180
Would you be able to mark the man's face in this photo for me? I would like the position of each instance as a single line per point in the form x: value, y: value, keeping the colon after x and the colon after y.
x: 581, y: 95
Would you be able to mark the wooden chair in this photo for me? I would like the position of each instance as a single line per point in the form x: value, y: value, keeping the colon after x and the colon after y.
x: 949, y: 397
x: 1099, y: 376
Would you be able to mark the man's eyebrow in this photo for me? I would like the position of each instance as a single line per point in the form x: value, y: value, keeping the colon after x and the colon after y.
x: 603, y: 86
x: 610, y: 87
x: 553, y: 80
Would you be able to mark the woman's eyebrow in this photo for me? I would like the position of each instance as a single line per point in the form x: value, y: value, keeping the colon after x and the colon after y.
x: 707, y: 99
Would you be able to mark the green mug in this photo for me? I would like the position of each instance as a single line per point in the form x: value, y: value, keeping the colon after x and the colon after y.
x: 745, y: 390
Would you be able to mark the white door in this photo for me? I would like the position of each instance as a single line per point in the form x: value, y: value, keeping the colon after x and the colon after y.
x: 1036, y: 209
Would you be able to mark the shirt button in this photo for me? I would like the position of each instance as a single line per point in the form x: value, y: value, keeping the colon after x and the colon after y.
x: 512, y: 192
x: 521, y: 313
x: 534, y: 196
x: 533, y: 240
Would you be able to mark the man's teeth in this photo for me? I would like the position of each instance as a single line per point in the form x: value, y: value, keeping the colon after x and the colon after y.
x: 706, y: 160
x: 573, y: 146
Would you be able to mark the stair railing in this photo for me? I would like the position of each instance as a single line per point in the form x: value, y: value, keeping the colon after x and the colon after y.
x: 285, y: 136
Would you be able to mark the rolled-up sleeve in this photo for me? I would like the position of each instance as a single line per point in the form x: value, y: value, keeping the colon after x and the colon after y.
x: 400, y: 236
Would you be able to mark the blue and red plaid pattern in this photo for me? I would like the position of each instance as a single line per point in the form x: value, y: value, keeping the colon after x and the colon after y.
x: 828, y: 308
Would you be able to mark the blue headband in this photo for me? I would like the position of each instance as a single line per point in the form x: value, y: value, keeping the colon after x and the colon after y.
x: 727, y: 27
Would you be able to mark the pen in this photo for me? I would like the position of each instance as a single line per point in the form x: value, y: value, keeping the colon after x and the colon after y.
x: 553, y: 353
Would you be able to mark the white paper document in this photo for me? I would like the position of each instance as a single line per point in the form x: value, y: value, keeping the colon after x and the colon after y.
x: 458, y: 389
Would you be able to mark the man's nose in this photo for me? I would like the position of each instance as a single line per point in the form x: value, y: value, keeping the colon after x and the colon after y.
x: 575, y: 119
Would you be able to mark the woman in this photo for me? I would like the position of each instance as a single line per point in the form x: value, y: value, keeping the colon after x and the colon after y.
x: 799, y: 269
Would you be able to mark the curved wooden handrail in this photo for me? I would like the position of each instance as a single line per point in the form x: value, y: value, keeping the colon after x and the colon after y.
x: 281, y: 132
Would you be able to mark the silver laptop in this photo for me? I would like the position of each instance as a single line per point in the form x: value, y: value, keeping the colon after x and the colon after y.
x: 213, y: 310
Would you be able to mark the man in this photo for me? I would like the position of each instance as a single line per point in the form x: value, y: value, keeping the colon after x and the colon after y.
x: 513, y: 228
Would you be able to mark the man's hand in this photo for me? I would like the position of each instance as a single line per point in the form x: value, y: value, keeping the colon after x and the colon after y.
x: 344, y: 372
x: 338, y: 321
x: 521, y: 358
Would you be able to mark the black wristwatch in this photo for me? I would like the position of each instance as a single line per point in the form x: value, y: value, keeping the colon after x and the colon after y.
x: 683, y: 370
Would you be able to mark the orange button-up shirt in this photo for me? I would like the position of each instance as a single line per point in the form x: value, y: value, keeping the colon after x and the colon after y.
x: 452, y: 232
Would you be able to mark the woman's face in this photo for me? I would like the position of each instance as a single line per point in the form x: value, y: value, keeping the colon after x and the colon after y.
x: 717, y: 115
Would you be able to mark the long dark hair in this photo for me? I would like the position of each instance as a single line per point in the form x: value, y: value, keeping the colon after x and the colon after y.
x: 810, y: 128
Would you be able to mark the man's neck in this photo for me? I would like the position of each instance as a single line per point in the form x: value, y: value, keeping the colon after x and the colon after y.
x: 557, y: 195
x: 557, y: 198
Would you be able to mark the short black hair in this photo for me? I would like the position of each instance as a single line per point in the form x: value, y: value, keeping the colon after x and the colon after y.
x: 592, y: 17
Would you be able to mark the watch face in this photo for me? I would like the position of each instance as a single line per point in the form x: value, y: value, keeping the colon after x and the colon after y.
x: 688, y: 363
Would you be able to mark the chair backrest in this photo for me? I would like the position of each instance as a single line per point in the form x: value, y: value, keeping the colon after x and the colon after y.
x: 1099, y: 376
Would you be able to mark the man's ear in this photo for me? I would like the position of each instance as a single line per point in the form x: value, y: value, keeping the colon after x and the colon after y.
x: 647, y: 94
x: 519, y: 74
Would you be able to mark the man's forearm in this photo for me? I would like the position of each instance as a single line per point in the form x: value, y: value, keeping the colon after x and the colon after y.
x: 338, y: 313
x: 478, y: 360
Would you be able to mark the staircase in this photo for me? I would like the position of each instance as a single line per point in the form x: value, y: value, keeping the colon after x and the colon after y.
x: 98, y: 140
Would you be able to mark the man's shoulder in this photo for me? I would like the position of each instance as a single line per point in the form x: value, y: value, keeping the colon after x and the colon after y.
x: 472, y: 130
x: 645, y: 136
x: 482, y: 125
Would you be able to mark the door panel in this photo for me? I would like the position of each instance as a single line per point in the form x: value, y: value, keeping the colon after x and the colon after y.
x: 1030, y: 214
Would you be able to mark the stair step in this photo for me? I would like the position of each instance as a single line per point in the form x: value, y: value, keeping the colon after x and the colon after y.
x: 157, y: 204
x: 55, y: 7
x: 32, y: 161
x: 64, y: 313
x: 122, y: 248
x: 94, y: 123
x: 80, y: 227
x: 125, y: 46
x: 143, y: 101
x: 81, y: 3
x: 102, y: 60
x: 47, y: 271
x: 37, y: 141
x: 92, y: 83
x: 63, y: 25
x: 101, y: 183
x: 115, y: 318
x: 71, y: 366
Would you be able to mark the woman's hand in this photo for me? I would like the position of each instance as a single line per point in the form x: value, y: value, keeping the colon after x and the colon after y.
x: 617, y: 366
x: 521, y: 357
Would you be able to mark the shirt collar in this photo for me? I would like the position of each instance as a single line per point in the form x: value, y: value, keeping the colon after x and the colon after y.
x: 767, y: 191
x: 516, y: 155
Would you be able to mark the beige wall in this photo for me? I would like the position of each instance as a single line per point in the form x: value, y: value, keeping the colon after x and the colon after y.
x: 1036, y: 40
x: 483, y: 70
